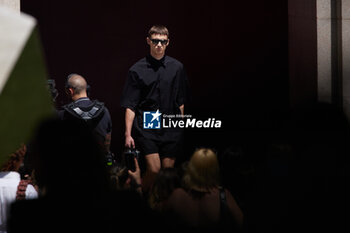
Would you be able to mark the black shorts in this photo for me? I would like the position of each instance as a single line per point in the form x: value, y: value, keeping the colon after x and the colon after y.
x: 170, y: 149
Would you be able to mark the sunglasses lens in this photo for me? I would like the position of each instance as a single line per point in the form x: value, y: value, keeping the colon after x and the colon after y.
x: 156, y: 41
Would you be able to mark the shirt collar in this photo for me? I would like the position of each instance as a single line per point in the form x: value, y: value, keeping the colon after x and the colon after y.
x: 81, y: 99
x: 154, y: 62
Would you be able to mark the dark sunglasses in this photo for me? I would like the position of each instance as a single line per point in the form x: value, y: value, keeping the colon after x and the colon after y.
x: 156, y: 41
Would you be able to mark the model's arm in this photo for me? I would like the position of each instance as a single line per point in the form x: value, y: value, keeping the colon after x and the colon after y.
x: 129, y: 119
x: 182, y: 95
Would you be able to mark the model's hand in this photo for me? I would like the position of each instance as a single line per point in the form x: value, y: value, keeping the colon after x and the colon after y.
x: 129, y: 142
x: 135, y: 176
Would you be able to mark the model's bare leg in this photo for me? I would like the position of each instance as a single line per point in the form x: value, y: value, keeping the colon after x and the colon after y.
x: 168, y: 162
x: 153, y: 167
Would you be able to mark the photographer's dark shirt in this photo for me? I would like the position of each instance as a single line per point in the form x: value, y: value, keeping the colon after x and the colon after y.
x: 155, y: 85
x: 104, y: 125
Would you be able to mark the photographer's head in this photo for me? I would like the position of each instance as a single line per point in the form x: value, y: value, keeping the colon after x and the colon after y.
x: 15, y: 160
x: 76, y: 86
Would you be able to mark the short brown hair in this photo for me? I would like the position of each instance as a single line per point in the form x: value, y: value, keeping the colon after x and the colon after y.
x: 10, y: 164
x: 158, y: 29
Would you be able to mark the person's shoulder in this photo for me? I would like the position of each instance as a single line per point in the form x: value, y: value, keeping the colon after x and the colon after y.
x: 97, y: 102
x: 107, y: 113
x: 139, y: 64
x: 179, y: 193
x: 178, y: 198
x: 101, y: 104
x: 173, y: 61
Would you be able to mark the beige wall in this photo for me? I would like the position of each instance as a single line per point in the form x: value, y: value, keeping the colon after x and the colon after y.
x: 346, y: 55
x: 14, y: 4
x: 324, y: 54
x: 326, y: 77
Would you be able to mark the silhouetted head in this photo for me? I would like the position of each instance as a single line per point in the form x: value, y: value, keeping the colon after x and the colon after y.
x: 166, y: 182
x: 202, y: 173
x: 67, y: 157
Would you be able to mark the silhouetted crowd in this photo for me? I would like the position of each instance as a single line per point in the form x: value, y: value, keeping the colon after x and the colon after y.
x: 291, y: 179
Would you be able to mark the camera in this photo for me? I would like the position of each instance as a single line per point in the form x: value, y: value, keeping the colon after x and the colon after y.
x: 51, y: 84
x: 129, y: 155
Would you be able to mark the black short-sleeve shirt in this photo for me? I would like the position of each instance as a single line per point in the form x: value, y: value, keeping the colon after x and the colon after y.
x: 104, y: 125
x: 155, y: 85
